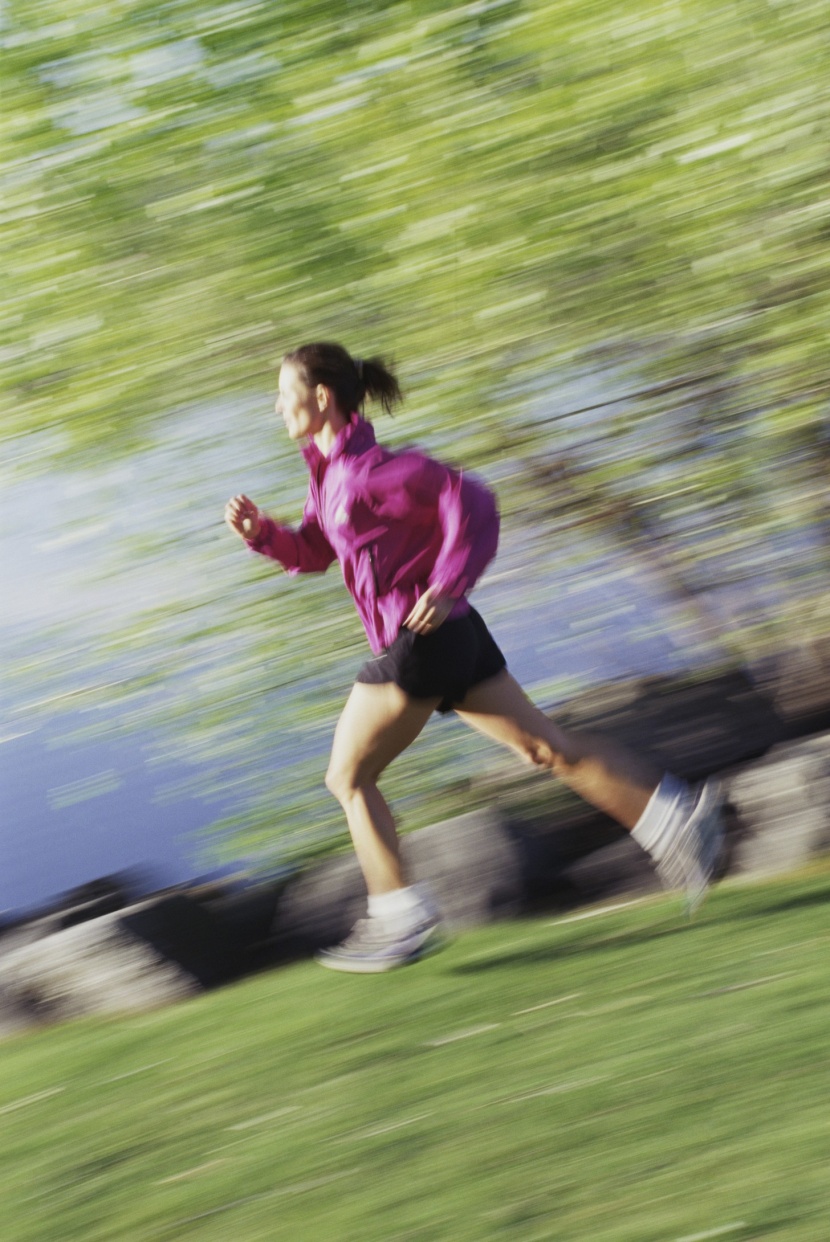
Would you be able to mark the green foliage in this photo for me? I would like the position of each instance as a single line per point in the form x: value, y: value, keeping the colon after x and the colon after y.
x: 623, y: 1078
x: 474, y: 187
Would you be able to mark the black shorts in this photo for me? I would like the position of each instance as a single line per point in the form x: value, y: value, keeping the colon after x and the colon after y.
x: 447, y: 663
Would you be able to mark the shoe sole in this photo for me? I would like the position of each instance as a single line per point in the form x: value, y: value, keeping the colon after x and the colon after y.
x: 712, y: 833
x: 333, y: 960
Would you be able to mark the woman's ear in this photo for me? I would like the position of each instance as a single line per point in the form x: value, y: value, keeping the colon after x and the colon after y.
x: 324, y: 401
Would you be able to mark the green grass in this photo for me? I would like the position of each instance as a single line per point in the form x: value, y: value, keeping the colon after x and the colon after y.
x: 623, y: 1078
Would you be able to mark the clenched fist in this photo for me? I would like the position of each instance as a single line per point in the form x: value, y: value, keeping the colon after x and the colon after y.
x: 243, y: 517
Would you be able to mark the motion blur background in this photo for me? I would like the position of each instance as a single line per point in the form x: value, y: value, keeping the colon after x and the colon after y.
x: 594, y: 239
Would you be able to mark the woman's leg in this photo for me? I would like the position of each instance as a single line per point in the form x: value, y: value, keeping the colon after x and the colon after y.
x: 376, y: 725
x: 601, y: 771
x: 681, y: 828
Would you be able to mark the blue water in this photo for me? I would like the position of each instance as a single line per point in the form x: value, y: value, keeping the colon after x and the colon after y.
x: 78, y: 810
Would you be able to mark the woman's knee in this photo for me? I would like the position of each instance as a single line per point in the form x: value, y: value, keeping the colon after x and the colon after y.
x: 538, y: 751
x: 540, y: 741
x: 552, y: 748
x: 339, y: 780
x: 345, y: 777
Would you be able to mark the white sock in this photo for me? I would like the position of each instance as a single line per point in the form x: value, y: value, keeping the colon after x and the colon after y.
x: 665, y: 813
x: 399, y: 905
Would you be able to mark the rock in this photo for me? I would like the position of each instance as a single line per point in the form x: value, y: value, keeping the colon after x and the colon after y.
x: 620, y: 869
x: 783, y: 806
x: 319, y: 907
x: 90, y: 901
x: 14, y: 1017
x: 150, y: 954
x: 797, y: 683
x: 246, y: 912
x: 87, y: 901
x: 693, y: 726
x: 472, y: 864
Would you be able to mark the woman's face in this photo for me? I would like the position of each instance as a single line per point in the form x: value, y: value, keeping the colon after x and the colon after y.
x: 297, y: 404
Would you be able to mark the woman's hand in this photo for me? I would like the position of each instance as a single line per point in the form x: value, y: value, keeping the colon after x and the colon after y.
x: 430, y: 611
x: 243, y: 517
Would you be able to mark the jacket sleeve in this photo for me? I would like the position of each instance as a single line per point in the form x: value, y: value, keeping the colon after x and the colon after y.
x: 302, y: 551
x: 469, y: 520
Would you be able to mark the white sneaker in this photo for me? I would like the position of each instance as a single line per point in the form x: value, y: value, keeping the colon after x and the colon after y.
x: 375, y: 945
x: 693, y: 854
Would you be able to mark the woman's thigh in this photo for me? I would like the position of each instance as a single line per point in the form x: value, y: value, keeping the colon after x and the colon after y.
x: 500, y: 709
x: 376, y: 725
x: 599, y: 768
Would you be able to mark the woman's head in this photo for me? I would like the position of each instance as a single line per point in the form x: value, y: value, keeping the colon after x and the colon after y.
x: 350, y: 380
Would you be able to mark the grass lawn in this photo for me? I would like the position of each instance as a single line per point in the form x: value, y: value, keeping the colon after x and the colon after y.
x: 627, y: 1077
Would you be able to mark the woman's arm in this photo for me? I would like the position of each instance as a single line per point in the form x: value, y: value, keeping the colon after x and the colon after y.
x: 302, y: 551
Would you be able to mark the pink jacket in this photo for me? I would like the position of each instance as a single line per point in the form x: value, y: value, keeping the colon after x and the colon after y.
x: 396, y: 522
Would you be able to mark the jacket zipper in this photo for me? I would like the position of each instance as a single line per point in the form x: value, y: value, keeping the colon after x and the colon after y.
x: 318, y: 492
x: 374, y: 570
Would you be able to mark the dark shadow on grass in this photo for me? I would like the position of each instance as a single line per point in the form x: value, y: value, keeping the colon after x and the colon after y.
x: 763, y: 905
x: 778, y: 905
x: 556, y: 950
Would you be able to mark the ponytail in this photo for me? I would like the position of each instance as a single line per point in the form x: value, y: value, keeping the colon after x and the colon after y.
x: 378, y: 382
x: 350, y: 379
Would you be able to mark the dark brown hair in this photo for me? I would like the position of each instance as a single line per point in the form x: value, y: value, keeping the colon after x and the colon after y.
x: 350, y: 379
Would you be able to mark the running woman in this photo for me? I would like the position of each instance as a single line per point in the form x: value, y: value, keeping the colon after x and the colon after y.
x: 413, y: 537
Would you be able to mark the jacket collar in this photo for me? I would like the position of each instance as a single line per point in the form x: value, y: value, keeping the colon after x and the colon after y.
x: 355, y: 438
